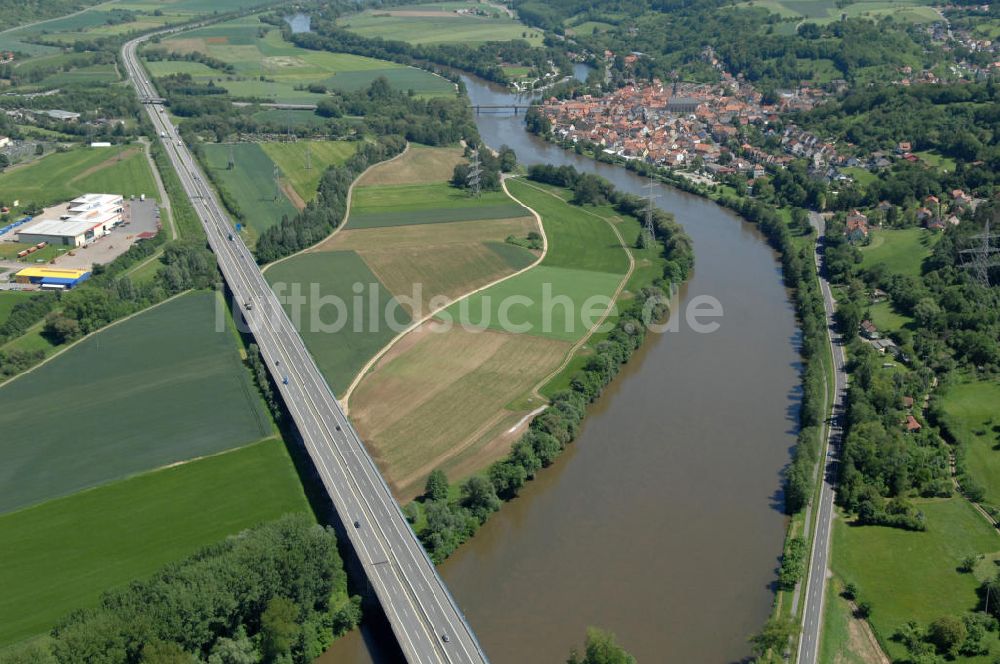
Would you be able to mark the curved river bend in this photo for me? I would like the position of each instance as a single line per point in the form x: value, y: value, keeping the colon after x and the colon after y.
x: 662, y: 522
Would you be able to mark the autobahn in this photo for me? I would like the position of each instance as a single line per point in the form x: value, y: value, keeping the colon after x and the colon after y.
x: 423, y: 615
x: 819, y: 561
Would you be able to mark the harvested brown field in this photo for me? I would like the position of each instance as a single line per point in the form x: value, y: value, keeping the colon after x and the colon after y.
x: 185, y: 46
x: 441, y: 400
x: 448, y: 260
x: 420, y: 165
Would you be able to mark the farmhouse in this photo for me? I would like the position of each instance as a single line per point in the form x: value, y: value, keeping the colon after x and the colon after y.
x: 51, y: 277
x: 78, y: 223
x: 857, y: 226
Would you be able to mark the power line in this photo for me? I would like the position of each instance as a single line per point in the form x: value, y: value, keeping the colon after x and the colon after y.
x: 978, y: 260
x: 473, y: 178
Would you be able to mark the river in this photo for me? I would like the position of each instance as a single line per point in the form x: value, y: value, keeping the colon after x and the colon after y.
x: 662, y: 522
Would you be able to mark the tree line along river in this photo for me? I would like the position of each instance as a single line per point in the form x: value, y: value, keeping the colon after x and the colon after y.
x: 663, y: 521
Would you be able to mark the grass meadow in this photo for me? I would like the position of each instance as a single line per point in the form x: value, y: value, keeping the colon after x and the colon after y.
x: 400, y: 205
x: 910, y: 575
x: 441, y: 22
x: 109, y: 406
x: 972, y: 413
x: 293, y: 158
x: 270, y: 68
x: 901, y: 251
x: 826, y: 11
x: 61, y: 555
x: 7, y: 301
x: 585, y: 263
x: 61, y: 176
x: 251, y: 183
x: 887, y: 319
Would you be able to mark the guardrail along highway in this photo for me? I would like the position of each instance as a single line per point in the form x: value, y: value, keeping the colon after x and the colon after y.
x: 424, y: 617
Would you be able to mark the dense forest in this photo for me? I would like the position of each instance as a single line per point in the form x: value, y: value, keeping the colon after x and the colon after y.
x: 673, y: 35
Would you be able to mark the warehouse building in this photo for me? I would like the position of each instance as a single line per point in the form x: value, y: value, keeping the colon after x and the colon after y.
x: 78, y: 223
x: 51, y: 278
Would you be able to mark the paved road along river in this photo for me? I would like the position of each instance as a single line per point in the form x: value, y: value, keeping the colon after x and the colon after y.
x: 662, y: 522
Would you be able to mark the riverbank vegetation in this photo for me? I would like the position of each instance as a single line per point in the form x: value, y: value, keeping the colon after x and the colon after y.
x: 277, y: 592
x: 601, y: 648
x: 443, y: 523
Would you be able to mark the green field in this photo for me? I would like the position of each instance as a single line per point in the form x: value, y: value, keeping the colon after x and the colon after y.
x: 271, y: 68
x: 862, y: 176
x: 93, y: 23
x: 913, y: 575
x: 972, y: 414
x: 161, y: 387
x: 63, y: 554
x: 7, y: 301
x: 340, y: 353
x: 825, y: 11
x: 437, y: 23
x: 946, y: 164
x: 251, y: 183
x: 61, y: 176
x: 399, y: 205
x: 886, y: 319
x: 293, y: 159
x: 584, y: 261
x: 900, y: 251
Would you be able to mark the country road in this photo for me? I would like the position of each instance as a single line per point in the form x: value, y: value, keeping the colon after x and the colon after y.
x: 819, y: 560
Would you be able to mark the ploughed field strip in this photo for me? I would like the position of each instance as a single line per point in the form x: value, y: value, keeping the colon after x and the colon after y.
x: 440, y: 244
x: 441, y: 399
x: 455, y: 399
x: 61, y: 555
x: 111, y: 406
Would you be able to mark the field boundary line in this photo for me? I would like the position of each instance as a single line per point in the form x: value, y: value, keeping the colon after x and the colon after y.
x: 347, y: 211
x: 142, y: 473
x: 87, y: 336
x: 607, y: 312
x: 344, y: 400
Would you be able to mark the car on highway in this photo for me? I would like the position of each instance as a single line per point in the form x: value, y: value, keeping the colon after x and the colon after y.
x: 357, y: 524
x: 445, y: 638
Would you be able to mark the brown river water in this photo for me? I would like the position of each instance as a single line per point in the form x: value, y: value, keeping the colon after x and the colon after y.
x: 662, y: 522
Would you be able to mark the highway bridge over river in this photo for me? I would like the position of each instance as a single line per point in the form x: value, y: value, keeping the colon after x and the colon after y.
x: 423, y: 615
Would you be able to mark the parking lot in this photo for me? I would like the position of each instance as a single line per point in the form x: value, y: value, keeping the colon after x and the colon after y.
x: 140, y: 217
